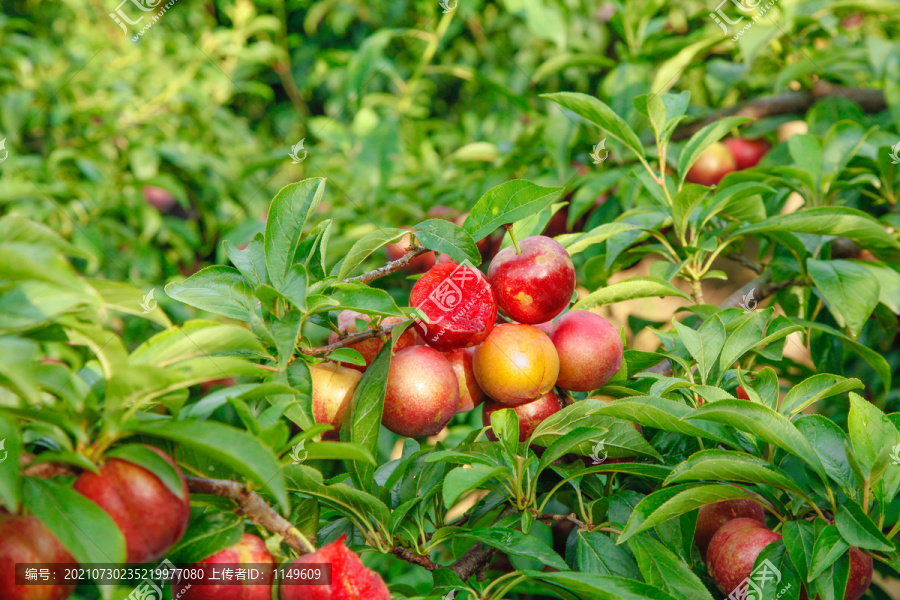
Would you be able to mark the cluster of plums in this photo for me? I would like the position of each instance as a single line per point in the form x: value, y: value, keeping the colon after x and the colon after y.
x: 730, y: 535
x: 459, y: 355
x: 736, y: 154
x: 152, y: 519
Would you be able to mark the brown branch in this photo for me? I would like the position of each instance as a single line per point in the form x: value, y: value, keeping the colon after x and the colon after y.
x: 474, y: 559
x: 351, y: 339
x: 394, y: 265
x: 45, y: 470
x: 252, y: 506
x: 416, y: 559
x: 571, y: 518
x: 871, y: 101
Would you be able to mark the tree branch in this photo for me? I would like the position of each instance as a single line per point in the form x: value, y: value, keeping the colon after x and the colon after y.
x: 252, y: 506
x: 871, y: 101
x: 394, y: 265
x: 416, y: 559
x: 351, y: 339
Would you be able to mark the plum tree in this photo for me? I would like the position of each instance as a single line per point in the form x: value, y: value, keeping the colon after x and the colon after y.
x: 27, y: 540
x: 151, y: 517
x: 249, y: 550
x: 530, y: 414
x: 590, y: 350
x: 459, y: 303
x: 422, y: 393
x: 332, y: 389
x: 516, y: 364
x: 714, y: 163
x: 470, y: 393
x: 348, y: 323
x: 534, y: 279
x: 350, y: 579
x: 713, y: 516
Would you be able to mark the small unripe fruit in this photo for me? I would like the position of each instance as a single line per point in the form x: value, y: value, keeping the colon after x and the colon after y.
x: 530, y: 414
x: 350, y: 579
x: 713, y: 164
x: 516, y: 364
x: 713, y: 516
x: 151, y: 517
x: 28, y: 540
x: 422, y: 393
x: 470, y: 393
x: 747, y: 153
x: 788, y: 130
x: 347, y: 324
x: 459, y: 303
x: 535, y: 285
x: 733, y: 551
x: 590, y: 351
x: 332, y: 387
x: 250, y: 550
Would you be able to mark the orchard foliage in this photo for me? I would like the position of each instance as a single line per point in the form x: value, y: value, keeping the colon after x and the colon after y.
x: 243, y: 362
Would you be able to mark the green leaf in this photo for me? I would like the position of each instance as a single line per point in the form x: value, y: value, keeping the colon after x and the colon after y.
x: 10, y: 470
x: 705, y: 344
x: 448, y: 238
x: 597, y: 587
x: 721, y: 465
x: 363, y: 425
x: 799, y: 539
x: 578, y: 242
x: 815, y: 388
x: 829, y: 546
x: 143, y: 456
x: 858, y: 529
x: 667, y: 503
x: 366, y: 246
x: 507, y: 203
x: 850, y: 291
x: 516, y: 543
x: 251, y: 261
x: 216, y: 289
x: 290, y: 210
x: 662, y: 568
x: 870, y: 430
x: 629, y: 289
x: 829, y: 440
x: 465, y: 479
x: 703, y: 139
x: 87, y: 532
x: 330, y: 450
x: 601, y: 115
x: 233, y: 447
x: 764, y: 423
x: 209, y: 532
x: 192, y: 340
x: 124, y: 297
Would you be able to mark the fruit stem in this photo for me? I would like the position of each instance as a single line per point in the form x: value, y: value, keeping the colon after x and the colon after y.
x: 512, y: 236
x: 299, y: 535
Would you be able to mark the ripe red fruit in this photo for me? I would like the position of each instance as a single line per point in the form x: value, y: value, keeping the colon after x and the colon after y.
x: 151, y: 517
x: 419, y: 264
x: 249, y: 550
x: 747, y: 153
x: 158, y: 198
x: 422, y: 393
x: 713, y: 516
x: 470, y: 393
x: 516, y: 364
x: 535, y: 285
x: 741, y: 393
x: 733, y: 550
x: 27, y: 540
x: 350, y: 579
x: 459, y: 303
x: 530, y: 414
x: 590, y: 350
x: 715, y: 163
x: 332, y: 391
x: 347, y: 324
